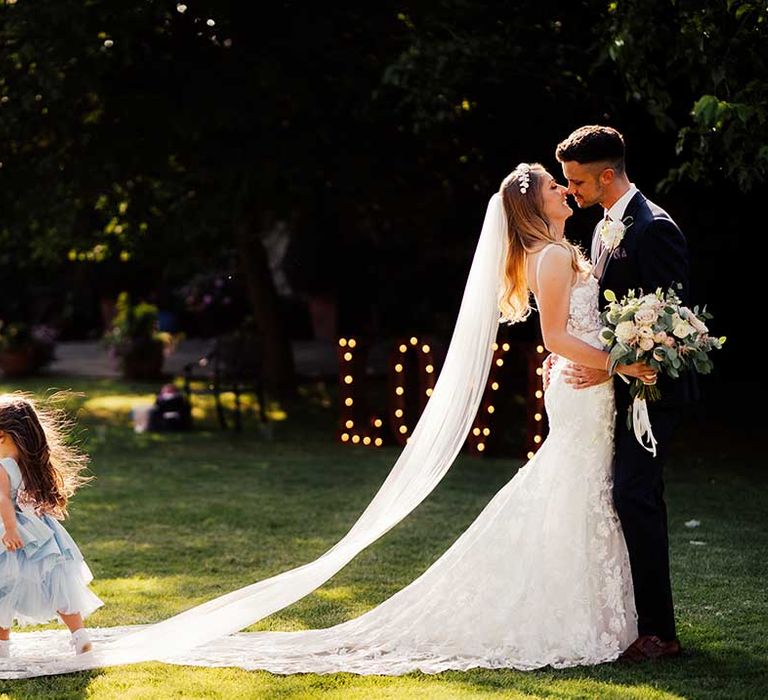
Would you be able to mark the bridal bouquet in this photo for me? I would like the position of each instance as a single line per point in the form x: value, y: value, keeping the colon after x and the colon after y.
x: 658, y: 330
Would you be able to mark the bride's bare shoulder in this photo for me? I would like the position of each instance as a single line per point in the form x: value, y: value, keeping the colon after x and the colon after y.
x: 548, y: 258
x: 549, y: 263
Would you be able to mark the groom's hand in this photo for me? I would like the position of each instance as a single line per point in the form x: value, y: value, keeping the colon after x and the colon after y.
x: 580, y: 377
x: 546, y: 368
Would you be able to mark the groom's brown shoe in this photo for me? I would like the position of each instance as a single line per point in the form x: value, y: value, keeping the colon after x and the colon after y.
x: 650, y: 647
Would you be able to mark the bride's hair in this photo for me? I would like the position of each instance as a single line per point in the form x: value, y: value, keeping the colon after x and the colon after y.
x: 528, y: 231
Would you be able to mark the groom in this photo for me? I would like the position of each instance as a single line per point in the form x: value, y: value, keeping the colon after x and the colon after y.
x: 651, y: 252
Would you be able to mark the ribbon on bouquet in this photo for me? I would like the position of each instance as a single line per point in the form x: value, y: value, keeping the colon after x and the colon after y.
x: 641, y: 422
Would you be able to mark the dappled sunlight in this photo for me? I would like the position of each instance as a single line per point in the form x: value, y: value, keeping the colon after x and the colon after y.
x: 187, y: 681
x: 147, y: 585
x: 115, y: 408
x: 346, y: 593
x: 206, y: 403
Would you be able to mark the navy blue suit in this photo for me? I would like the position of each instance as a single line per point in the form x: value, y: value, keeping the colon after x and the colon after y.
x: 652, y: 254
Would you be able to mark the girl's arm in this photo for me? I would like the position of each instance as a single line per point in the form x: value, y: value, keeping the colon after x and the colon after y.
x: 554, y: 299
x: 11, y: 538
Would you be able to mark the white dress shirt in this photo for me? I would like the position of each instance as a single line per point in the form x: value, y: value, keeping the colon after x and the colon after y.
x: 616, y: 212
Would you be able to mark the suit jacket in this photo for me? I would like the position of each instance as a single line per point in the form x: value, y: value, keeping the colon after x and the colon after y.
x: 652, y: 254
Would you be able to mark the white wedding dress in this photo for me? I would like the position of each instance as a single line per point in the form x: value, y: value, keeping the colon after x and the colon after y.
x: 541, y: 577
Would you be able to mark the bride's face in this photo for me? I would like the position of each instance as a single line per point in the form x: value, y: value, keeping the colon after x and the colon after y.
x: 554, y: 200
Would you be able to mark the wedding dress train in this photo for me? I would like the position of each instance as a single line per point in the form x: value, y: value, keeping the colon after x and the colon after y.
x: 541, y: 577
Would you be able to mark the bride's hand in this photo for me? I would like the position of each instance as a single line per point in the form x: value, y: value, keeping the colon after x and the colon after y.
x: 639, y: 370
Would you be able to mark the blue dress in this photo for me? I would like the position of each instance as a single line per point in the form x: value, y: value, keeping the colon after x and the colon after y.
x: 48, y: 574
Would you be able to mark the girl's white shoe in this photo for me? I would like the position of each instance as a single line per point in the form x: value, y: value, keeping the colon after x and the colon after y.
x: 5, y: 648
x: 81, y: 640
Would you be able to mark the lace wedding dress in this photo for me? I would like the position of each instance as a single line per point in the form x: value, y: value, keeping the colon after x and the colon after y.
x: 541, y: 577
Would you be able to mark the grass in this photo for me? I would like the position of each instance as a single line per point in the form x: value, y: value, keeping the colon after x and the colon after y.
x: 173, y: 520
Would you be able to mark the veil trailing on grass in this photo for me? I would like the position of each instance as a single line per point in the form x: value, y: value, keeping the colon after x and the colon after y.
x: 434, y: 445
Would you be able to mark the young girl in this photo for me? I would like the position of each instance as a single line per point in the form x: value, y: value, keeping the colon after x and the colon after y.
x: 42, y: 572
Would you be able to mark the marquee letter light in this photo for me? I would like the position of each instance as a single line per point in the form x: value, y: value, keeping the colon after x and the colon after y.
x: 357, y: 426
x: 412, y: 378
x: 537, y: 425
x: 412, y: 365
x: 502, y: 377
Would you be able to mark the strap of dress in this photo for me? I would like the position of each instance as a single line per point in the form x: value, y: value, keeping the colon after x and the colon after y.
x: 542, y: 253
x: 13, y: 471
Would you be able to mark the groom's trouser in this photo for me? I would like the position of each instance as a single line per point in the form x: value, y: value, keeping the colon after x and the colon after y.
x: 638, y: 495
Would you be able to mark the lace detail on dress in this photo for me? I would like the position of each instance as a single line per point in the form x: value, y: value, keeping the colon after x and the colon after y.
x: 584, y: 316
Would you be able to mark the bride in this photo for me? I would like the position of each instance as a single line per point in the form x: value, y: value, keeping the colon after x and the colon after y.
x: 541, y: 577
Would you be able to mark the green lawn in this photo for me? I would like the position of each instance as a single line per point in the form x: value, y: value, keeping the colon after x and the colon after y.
x: 172, y: 520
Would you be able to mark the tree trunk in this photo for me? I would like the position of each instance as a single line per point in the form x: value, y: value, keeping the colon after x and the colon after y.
x: 279, y: 370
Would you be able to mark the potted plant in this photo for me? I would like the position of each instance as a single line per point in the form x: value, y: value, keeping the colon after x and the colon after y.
x: 135, y: 341
x: 24, y: 349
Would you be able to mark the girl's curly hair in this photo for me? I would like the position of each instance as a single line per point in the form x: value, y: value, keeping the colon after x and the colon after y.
x: 51, y: 466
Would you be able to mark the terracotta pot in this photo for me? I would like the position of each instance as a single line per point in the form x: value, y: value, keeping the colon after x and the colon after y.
x: 17, y: 363
x: 143, y: 360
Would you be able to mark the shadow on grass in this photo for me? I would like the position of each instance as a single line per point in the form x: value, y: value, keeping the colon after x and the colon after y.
x: 732, y: 674
x: 71, y: 685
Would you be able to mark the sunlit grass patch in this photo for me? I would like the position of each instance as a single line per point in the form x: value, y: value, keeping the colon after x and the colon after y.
x: 174, y: 519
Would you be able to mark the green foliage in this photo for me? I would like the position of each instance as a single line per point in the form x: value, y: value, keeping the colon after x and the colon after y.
x: 699, y: 69
x: 15, y: 336
x: 36, y: 342
x: 133, y: 325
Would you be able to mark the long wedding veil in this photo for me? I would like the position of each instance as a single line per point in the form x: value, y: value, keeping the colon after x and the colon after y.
x: 434, y: 445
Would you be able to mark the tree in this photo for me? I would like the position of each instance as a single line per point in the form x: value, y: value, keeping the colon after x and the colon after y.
x: 700, y: 69
x: 165, y: 133
x: 148, y: 131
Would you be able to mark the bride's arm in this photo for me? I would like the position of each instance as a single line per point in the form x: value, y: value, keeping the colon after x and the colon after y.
x: 554, y: 298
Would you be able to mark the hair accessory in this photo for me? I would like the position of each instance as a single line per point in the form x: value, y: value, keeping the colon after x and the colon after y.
x: 524, y: 179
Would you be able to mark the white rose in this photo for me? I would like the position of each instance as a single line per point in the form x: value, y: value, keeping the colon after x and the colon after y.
x: 660, y: 337
x: 612, y: 234
x: 644, y: 332
x: 682, y: 329
x: 646, y: 316
x: 651, y: 301
x: 646, y: 344
x: 626, y: 332
x: 698, y: 325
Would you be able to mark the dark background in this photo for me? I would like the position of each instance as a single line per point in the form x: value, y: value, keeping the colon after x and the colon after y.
x: 147, y: 149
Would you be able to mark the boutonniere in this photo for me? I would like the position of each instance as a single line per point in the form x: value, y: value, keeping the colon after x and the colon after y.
x: 612, y: 232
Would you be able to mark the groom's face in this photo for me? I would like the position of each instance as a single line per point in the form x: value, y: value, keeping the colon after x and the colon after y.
x: 584, y: 182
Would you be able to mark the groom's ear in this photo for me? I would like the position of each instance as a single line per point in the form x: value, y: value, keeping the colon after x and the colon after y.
x: 607, y: 176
